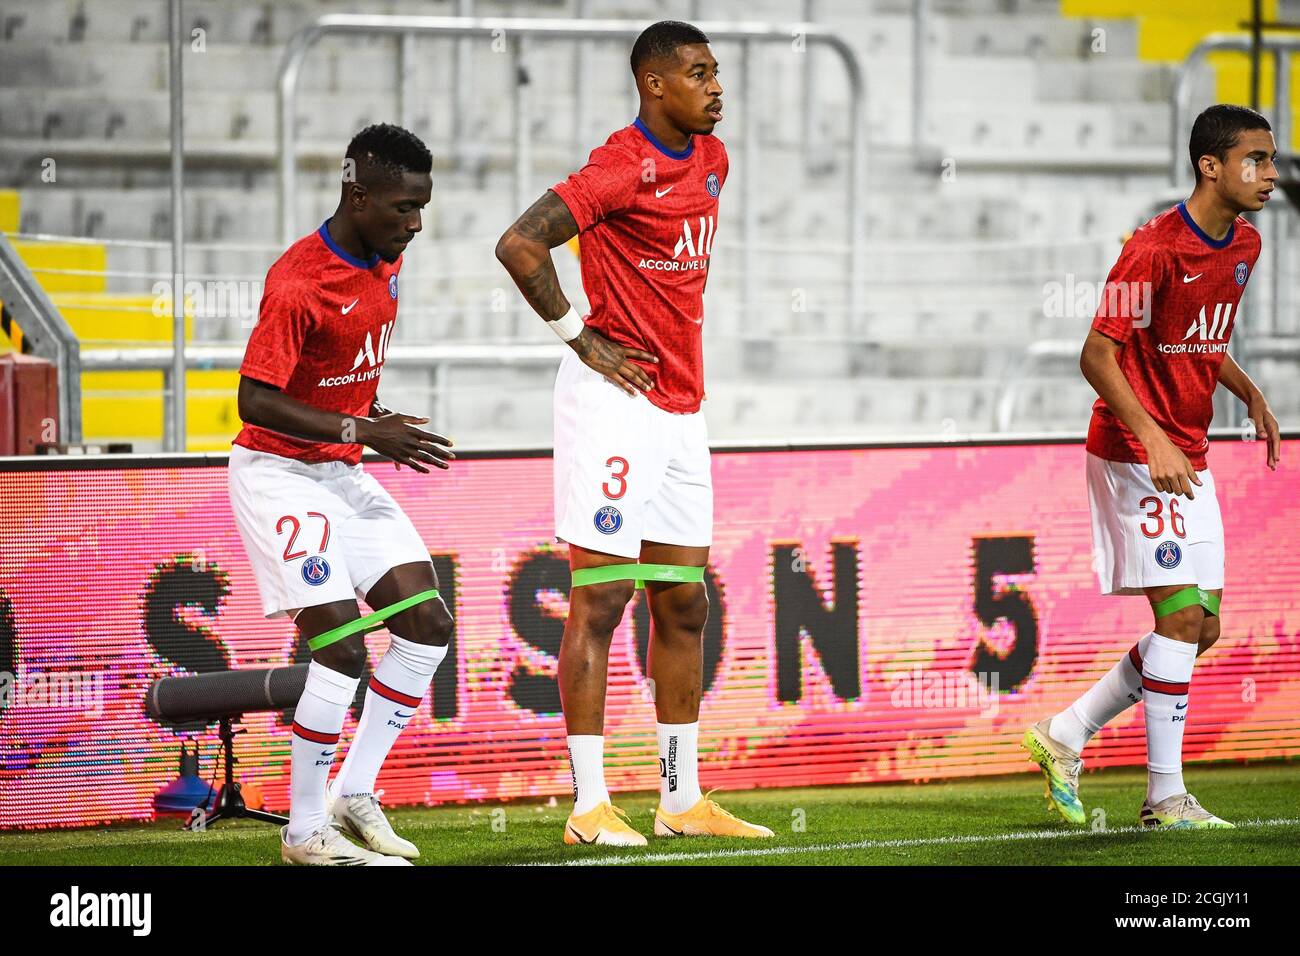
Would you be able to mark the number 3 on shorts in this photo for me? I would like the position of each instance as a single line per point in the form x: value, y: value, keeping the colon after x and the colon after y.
x: 618, y: 473
x: 293, y: 535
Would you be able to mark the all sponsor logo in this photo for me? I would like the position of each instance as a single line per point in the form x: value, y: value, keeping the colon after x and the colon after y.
x: 698, y: 244
x: 1207, y: 333
x: 369, y: 361
x: 691, y: 251
x: 368, y: 354
x: 1209, y: 329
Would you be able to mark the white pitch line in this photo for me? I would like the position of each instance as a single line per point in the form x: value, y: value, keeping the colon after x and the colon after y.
x: 877, y: 845
x: 180, y: 837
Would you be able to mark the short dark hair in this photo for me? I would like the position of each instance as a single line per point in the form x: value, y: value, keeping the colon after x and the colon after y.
x: 388, y: 151
x: 660, y: 41
x: 1217, y: 130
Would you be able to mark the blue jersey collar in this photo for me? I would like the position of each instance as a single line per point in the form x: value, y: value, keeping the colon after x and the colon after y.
x: 670, y: 153
x: 1204, y: 237
x: 342, y: 253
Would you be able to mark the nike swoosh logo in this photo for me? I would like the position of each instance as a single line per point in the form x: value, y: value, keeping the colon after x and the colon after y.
x: 1193, y: 278
x: 348, y: 308
x: 1180, y: 706
x: 661, y: 195
x: 579, y: 836
x: 327, y: 753
x: 670, y: 829
x: 396, y: 714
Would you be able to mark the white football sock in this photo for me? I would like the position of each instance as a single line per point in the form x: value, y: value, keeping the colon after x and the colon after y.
x: 317, y: 723
x: 1166, y: 679
x: 394, y: 693
x: 679, y: 785
x: 1117, y: 690
x: 587, y: 758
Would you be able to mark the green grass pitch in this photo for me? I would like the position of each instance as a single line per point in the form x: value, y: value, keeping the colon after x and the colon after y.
x: 988, y: 821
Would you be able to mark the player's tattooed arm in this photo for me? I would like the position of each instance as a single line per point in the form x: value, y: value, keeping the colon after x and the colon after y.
x: 547, y: 221
x: 392, y: 435
x: 525, y: 251
x: 1171, y: 471
x: 1234, y: 379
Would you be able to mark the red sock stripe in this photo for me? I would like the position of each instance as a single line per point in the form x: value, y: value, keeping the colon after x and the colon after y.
x: 1164, y: 687
x: 313, y: 735
x: 383, y: 690
x: 1135, y: 658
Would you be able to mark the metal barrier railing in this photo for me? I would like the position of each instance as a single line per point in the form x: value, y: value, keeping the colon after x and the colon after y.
x: 175, y: 430
x: 436, y: 359
x: 1181, y: 99
x: 48, y: 333
x: 1013, y: 381
x: 521, y: 30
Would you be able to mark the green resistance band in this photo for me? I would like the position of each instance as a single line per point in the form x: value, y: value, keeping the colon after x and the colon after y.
x: 1186, y: 598
x: 640, y: 573
x: 371, y: 622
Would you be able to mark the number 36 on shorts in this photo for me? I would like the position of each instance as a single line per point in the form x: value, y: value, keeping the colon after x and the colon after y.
x: 1153, y: 526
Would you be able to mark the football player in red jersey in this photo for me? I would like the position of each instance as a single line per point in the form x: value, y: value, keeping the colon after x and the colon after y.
x: 320, y: 532
x: 633, y: 491
x: 1157, y: 349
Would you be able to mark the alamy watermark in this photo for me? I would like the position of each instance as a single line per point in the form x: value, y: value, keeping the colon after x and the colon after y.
x: 81, y: 691
x: 1084, y: 299
x: 946, y: 690
x: 75, y: 908
x: 229, y: 299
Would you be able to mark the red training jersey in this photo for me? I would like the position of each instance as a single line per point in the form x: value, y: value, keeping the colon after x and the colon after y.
x: 322, y: 331
x: 1171, y: 301
x: 647, y: 217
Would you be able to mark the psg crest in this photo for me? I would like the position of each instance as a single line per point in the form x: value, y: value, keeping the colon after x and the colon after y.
x: 392, y: 287
x: 1240, y: 273
x: 1168, y: 554
x: 315, y: 570
x: 608, y: 520
x: 713, y: 184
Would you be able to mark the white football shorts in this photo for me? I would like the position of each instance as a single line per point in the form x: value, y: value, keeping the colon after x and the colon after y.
x: 316, y: 533
x: 1146, y: 538
x: 626, y: 471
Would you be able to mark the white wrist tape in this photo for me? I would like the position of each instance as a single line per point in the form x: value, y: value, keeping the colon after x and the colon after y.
x: 569, y: 327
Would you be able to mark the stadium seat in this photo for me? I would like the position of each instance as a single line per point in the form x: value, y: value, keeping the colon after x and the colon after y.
x: 1016, y: 96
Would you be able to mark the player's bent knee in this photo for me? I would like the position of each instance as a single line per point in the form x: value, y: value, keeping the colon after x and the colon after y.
x: 347, y: 656
x: 429, y: 623
x: 1182, y: 625
x: 1210, y: 630
x: 441, y: 625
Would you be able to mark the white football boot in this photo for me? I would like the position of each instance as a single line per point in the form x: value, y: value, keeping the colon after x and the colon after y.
x: 1180, y: 812
x: 361, y: 816
x: 329, y: 847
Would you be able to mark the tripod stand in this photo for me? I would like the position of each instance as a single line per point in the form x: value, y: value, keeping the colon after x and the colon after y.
x: 230, y: 802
